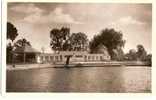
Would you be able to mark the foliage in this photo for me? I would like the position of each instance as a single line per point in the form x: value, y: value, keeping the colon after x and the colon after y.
x: 131, y: 55
x: 78, y: 41
x: 149, y: 59
x: 11, y: 31
x: 11, y: 35
x: 118, y: 54
x: 59, y: 39
x: 112, y: 39
x: 62, y: 40
x: 141, y: 52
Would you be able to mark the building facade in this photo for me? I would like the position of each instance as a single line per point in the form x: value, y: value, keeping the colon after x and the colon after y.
x: 76, y: 56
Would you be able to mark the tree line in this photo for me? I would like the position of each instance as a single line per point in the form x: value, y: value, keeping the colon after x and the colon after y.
x: 63, y: 40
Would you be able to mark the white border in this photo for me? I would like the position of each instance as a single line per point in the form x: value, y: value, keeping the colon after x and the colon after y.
x: 154, y: 47
x: 89, y: 96
x: 83, y: 1
x: 4, y: 20
x: 0, y: 48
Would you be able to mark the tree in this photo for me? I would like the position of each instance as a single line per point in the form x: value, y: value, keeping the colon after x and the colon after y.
x: 59, y: 39
x: 62, y: 40
x: 11, y: 35
x: 141, y: 52
x: 131, y: 55
x: 11, y: 31
x: 149, y: 59
x: 112, y: 39
x: 78, y: 41
x: 118, y: 54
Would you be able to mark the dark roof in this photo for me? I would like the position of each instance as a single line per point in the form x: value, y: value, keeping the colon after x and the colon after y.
x: 26, y: 49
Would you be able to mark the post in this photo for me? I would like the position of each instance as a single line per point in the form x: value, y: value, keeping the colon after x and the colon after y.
x: 43, y: 54
x: 12, y: 57
x: 13, y: 63
x: 24, y: 57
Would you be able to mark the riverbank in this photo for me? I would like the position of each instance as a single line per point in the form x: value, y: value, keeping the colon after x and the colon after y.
x: 76, y: 64
x: 110, y: 63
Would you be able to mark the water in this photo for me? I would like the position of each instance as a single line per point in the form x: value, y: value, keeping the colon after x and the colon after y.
x: 83, y: 79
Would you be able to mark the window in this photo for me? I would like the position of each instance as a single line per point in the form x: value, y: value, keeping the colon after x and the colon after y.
x: 85, y: 58
x: 93, y: 57
x: 56, y: 58
x: 96, y: 57
x: 61, y: 57
x: 88, y: 57
x: 100, y: 57
x: 51, y: 58
x: 78, y: 56
x: 46, y: 58
x: 41, y: 57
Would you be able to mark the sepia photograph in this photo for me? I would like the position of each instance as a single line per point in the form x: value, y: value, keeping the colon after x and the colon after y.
x: 61, y: 47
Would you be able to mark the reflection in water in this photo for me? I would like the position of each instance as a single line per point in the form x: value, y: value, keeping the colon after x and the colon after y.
x: 83, y: 79
x: 138, y: 79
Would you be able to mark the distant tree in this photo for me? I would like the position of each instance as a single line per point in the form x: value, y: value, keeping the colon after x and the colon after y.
x: 78, y: 41
x: 131, y: 55
x: 112, y: 39
x: 59, y: 39
x: 141, y: 52
x: 149, y: 59
x: 11, y: 31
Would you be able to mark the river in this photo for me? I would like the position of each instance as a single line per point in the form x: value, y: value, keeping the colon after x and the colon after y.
x: 133, y: 79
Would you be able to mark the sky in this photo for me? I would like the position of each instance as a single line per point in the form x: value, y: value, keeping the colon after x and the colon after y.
x: 34, y: 21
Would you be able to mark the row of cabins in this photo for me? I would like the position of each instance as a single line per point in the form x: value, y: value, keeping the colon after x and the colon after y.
x: 76, y: 56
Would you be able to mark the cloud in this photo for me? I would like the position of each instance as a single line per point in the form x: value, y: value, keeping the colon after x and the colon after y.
x: 36, y: 15
x: 27, y: 9
x: 129, y: 20
x: 35, y: 18
x: 58, y: 16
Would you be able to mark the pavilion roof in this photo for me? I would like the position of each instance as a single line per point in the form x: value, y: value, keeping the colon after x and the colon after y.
x: 26, y: 49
